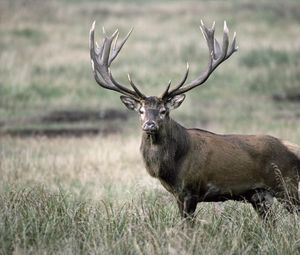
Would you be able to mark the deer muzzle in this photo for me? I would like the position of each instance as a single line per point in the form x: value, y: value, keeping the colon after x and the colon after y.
x: 150, y: 126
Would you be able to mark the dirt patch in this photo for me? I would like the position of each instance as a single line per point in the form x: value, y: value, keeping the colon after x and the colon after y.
x: 73, y: 123
x: 60, y: 132
x: 292, y: 95
x: 79, y: 116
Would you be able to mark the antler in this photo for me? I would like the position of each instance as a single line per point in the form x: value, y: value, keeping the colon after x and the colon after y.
x: 101, y: 59
x: 216, y: 56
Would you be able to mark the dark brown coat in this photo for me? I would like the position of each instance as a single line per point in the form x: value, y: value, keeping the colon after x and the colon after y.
x: 196, y: 165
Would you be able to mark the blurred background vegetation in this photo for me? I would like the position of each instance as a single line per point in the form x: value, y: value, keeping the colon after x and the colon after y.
x: 45, y: 67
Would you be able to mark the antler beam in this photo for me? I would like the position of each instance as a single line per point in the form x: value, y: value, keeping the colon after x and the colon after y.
x: 101, y: 60
x: 217, y: 55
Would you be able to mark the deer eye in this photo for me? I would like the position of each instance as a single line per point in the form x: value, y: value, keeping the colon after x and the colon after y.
x: 142, y: 111
x: 162, y: 112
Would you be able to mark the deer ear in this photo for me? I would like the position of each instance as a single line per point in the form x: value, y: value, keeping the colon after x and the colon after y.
x: 130, y: 103
x: 175, y: 102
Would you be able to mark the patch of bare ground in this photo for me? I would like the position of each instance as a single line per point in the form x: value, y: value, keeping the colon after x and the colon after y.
x: 292, y: 95
x: 74, y: 123
x: 76, y: 116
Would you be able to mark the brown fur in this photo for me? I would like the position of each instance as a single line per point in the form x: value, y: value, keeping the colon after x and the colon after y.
x: 196, y: 165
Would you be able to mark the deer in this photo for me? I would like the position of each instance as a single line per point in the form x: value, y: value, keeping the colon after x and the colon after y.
x: 196, y: 165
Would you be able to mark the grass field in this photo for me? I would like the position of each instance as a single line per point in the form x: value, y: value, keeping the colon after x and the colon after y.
x: 91, y: 194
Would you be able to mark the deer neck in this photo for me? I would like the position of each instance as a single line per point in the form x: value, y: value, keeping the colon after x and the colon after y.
x: 170, y: 132
x: 162, y: 151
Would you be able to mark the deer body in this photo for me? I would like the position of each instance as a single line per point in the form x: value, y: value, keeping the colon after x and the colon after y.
x: 196, y: 165
x: 203, y: 166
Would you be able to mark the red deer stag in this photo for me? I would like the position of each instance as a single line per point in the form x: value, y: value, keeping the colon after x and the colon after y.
x: 197, y: 165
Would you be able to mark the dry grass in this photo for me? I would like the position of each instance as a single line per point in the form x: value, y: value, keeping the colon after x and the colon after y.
x: 91, y: 196
x: 92, y: 166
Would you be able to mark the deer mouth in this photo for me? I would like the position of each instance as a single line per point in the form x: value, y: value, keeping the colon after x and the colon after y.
x: 150, y: 132
x: 150, y: 127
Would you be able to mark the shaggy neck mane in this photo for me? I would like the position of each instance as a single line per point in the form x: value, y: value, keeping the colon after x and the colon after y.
x: 162, y: 152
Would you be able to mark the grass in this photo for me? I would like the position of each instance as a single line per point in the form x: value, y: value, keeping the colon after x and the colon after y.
x: 92, y: 195
x: 268, y: 57
x: 84, y: 196
x: 37, y: 221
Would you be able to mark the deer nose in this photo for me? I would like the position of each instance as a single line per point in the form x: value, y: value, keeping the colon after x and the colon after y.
x: 150, y: 126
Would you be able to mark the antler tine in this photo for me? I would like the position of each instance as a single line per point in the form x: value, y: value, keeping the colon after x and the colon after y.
x: 233, y: 47
x: 95, y: 55
x: 217, y: 55
x: 117, y: 50
x: 101, y: 59
x: 115, y: 41
x: 225, y: 40
x: 209, y: 35
x: 107, y: 49
x: 185, y: 76
x: 166, y: 92
x: 92, y: 39
x: 140, y: 94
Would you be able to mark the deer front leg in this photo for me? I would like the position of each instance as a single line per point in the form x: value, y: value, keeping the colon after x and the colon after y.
x: 187, y: 205
x: 262, y: 201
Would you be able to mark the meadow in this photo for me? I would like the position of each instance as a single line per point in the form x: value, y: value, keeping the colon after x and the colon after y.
x: 91, y: 194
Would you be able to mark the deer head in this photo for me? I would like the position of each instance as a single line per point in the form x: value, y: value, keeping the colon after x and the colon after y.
x: 154, y: 110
